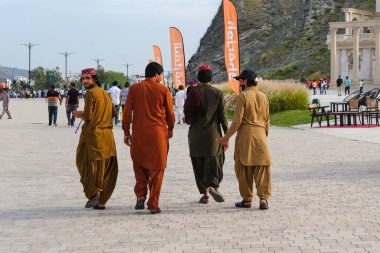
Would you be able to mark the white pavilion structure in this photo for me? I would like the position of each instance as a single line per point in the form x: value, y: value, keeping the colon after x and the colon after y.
x: 355, y: 49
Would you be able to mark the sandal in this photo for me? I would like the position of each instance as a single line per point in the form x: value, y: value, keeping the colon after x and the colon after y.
x: 97, y: 207
x: 140, y: 203
x: 204, y: 200
x: 92, y: 202
x: 243, y: 204
x: 263, y: 204
x: 217, y: 196
x: 155, y: 210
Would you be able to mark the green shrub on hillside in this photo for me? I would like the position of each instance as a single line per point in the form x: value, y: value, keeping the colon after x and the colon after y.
x: 253, y: 4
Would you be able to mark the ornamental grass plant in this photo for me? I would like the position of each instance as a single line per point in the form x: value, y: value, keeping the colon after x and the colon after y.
x: 282, y: 95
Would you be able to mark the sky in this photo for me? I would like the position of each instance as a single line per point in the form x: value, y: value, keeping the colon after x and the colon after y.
x: 118, y: 31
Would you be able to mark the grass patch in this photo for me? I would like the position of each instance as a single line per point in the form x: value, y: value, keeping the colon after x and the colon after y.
x: 287, y: 118
x: 290, y: 118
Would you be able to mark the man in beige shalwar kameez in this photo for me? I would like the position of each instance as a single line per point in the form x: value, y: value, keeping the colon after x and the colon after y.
x: 252, y: 154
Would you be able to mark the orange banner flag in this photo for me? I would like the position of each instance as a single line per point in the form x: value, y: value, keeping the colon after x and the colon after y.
x: 231, y: 44
x: 158, y: 58
x: 178, y: 58
x: 157, y: 55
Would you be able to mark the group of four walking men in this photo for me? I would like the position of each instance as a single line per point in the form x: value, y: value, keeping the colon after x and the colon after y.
x: 149, y: 104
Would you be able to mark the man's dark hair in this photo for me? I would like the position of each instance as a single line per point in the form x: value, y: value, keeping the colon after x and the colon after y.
x: 126, y: 84
x: 52, y: 86
x: 72, y: 84
x: 96, y: 79
x: 180, y: 87
x: 152, y: 69
x: 204, y: 76
x: 251, y: 83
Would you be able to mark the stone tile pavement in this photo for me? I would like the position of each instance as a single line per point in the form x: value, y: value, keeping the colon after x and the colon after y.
x: 325, y: 196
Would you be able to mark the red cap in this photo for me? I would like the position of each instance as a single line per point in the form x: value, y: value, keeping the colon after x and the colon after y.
x: 89, y: 71
x: 204, y: 67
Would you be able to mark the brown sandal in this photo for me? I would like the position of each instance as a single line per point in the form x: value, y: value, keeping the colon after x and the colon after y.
x: 97, y: 207
x: 263, y: 204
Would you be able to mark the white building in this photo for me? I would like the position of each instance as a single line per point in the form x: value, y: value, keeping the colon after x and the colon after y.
x: 138, y: 78
x: 355, y: 45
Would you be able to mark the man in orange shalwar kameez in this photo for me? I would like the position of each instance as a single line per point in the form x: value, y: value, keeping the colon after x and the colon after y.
x: 152, y: 127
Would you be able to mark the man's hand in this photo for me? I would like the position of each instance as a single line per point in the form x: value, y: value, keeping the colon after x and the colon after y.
x: 224, y: 142
x: 128, y: 140
x: 170, y: 134
x: 78, y: 114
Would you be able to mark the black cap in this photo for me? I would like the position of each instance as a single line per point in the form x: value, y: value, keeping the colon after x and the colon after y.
x: 247, y: 75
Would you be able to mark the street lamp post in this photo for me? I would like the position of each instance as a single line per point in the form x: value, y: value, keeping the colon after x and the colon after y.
x: 97, y: 60
x: 57, y: 73
x: 29, y: 46
x: 66, y: 54
x: 127, y: 65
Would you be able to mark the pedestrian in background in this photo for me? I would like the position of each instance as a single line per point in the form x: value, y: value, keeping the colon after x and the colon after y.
x: 124, y: 95
x: 53, y: 100
x: 72, y: 103
x: 179, y: 103
x: 339, y: 83
x: 4, y: 96
x: 114, y: 91
x: 347, y: 85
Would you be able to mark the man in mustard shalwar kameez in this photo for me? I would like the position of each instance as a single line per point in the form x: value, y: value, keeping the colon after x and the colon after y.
x: 96, y: 153
x: 252, y: 154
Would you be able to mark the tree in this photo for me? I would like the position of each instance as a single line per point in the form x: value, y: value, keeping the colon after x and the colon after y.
x: 107, y: 77
x: 43, y: 79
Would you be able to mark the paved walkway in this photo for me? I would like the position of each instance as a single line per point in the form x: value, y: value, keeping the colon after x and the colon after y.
x: 325, y: 196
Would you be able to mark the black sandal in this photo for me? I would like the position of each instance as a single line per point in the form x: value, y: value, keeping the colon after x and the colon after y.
x: 204, y: 200
x: 140, y: 203
x: 243, y: 204
x: 92, y: 202
x: 217, y: 196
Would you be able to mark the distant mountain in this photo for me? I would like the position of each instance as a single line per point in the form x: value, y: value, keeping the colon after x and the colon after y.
x: 12, y: 72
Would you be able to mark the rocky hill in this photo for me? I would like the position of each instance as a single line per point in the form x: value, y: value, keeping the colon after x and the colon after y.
x: 279, y: 39
x: 12, y: 72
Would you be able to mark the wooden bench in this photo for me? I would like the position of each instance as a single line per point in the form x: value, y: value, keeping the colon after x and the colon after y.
x: 318, y: 112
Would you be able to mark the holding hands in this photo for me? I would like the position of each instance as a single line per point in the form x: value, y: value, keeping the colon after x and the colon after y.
x: 224, y: 142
